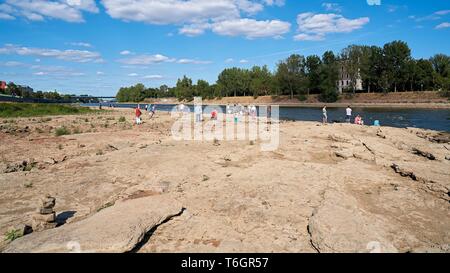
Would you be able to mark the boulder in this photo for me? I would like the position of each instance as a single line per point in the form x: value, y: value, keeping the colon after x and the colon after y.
x: 118, y: 228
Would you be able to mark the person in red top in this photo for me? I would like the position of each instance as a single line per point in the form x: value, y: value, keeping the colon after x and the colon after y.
x: 214, y: 115
x: 138, y: 114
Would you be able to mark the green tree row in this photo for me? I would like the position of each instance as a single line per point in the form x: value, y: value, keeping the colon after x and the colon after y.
x: 390, y: 68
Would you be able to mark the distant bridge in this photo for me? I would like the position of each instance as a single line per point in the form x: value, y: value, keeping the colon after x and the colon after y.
x: 91, y: 97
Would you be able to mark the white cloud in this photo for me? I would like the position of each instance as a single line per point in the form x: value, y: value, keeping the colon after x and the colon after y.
x: 170, y: 11
x: 229, y: 60
x: 6, y: 16
x: 133, y: 74
x: 332, y: 7
x: 309, y: 37
x: 81, y: 56
x: 315, y: 26
x: 190, y: 61
x: 40, y: 73
x: 81, y: 44
x: 153, y: 77
x: 251, y: 28
x: 125, y: 52
x: 442, y: 12
x: 443, y: 25
x: 13, y: 64
x: 194, y: 29
x: 146, y: 59
x: 274, y: 2
x: 243, y: 61
x: 249, y: 7
x: 100, y: 73
x: 196, y: 16
x: 38, y: 10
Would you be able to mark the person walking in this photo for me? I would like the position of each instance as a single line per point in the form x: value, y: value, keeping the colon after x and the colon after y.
x: 324, y: 115
x: 138, y: 114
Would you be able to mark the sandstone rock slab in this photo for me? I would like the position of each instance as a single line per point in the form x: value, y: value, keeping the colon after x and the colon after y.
x: 115, y: 229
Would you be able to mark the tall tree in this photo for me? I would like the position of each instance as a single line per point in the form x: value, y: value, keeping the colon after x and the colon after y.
x: 396, y: 56
x: 313, y: 65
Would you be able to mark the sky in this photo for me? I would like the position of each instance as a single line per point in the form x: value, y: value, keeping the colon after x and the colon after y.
x: 96, y: 47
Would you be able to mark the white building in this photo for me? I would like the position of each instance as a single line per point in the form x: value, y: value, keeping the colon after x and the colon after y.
x: 345, y: 82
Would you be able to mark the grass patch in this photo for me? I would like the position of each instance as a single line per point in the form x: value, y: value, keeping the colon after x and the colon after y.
x: 14, y: 110
x: 62, y: 131
x: 122, y: 119
x: 12, y: 234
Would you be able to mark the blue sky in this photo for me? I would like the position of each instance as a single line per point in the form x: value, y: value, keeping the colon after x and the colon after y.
x: 95, y: 47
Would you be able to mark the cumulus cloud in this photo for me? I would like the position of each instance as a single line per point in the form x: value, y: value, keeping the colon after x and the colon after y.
x: 332, y: 7
x: 308, y: 37
x: 81, y: 44
x: 81, y: 56
x: 315, y: 26
x: 197, y: 16
x: 251, y: 28
x: 38, y: 10
x: 443, y: 25
x: 146, y: 59
x: 153, y: 77
x: 125, y: 52
x: 190, y: 61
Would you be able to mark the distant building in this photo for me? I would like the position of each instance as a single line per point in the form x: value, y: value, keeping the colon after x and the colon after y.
x: 25, y: 88
x: 345, y: 82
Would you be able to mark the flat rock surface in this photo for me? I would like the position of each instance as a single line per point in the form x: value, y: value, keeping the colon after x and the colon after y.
x: 118, y: 228
x: 325, y: 188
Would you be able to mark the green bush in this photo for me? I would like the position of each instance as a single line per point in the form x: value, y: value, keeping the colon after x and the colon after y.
x: 62, y: 131
x: 12, y: 234
x: 329, y: 96
x: 302, y: 97
x: 122, y: 119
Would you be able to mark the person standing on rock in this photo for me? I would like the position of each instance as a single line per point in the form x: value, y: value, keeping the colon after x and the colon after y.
x: 348, y: 112
x: 324, y: 115
x: 138, y: 114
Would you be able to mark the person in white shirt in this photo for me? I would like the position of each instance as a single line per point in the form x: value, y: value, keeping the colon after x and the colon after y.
x: 324, y: 115
x: 348, y: 112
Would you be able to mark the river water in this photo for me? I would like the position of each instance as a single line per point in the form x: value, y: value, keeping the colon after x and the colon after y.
x: 434, y: 119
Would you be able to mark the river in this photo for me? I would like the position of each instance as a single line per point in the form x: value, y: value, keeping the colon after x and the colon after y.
x: 434, y: 119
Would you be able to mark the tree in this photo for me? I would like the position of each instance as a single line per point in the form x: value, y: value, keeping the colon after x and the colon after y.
x: 329, y: 77
x: 184, y: 89
x: 351, y: 59
x: 234, y: 81
x: 260, y: 81
x: 291, y: 75
x: 396, y: 56
x: 313, y: 65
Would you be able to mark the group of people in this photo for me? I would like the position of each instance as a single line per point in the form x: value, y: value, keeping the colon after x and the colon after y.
x: 238, y: 111
x: 150, y: 109
x: 348, y: 117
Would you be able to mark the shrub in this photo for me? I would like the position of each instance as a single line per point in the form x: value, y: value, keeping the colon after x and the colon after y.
x: 302, y: 97
x: 13, y: 234
x: 329, y: 96
x: 62, y: 131
x: 122, y: 119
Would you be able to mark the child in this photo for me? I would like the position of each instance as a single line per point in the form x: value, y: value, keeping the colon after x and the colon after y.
x: 138, y: 114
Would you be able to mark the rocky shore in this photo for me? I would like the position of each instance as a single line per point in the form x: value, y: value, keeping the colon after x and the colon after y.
x: 126, y: 188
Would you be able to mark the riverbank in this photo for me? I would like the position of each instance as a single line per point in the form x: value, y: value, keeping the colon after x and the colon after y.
x: 342, y: 188
x: 422, y: 100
